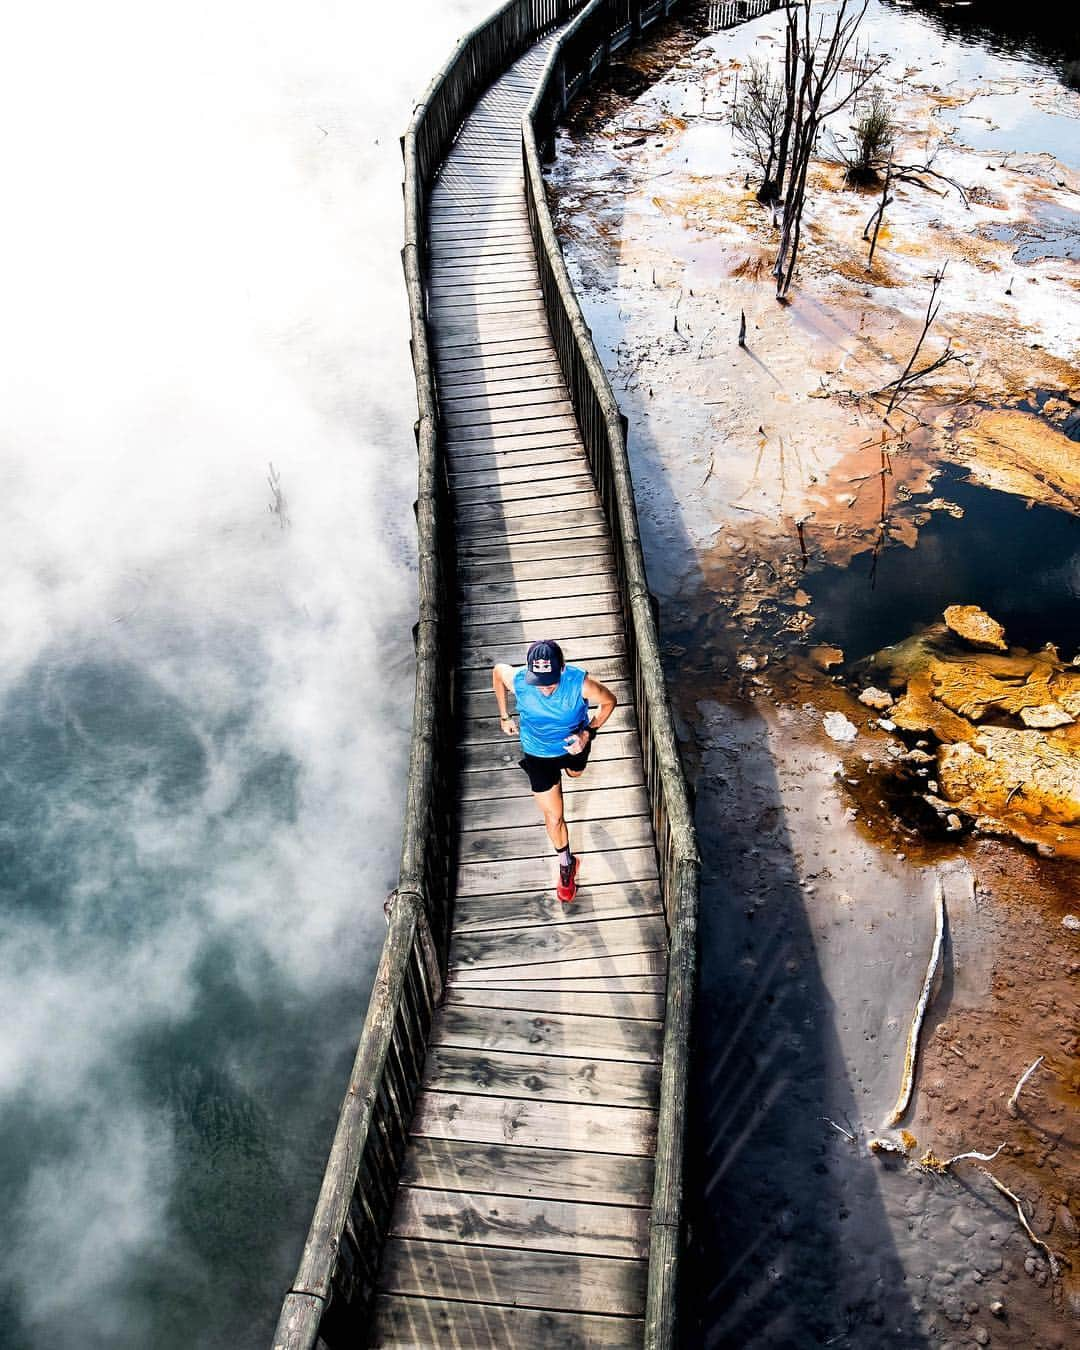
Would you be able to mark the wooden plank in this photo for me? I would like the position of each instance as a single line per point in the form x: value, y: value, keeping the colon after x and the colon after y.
x: 581, y: 972
x: 615, y: 773
x: 598, y: 940
x: 509, y: 500
x: 474, y: 570
x: 560, y: 462
x: 537, y: 909
x: 560, y: 1078
x: 540, y: 375
x: 581, y: 1037
x: 556, y: 1280
x: 506, y: 428
x: 593, y: 602
x: 459, y: 408
x: 527, y: 1225
x: 537, y: 332
x: 461, y: 454
x: 485, y: 756
x: 595, y: 1003
x: 527, y: 842
x: 568, y: 524
x: 500, y: 1169
x: 424, y: 1323
x: 629, y: 1130
x: 586, y: 804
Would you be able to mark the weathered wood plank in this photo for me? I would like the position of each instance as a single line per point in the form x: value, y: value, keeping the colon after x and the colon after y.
x: 599, y: 941
x: 594, y: 1003
x: 587, y: 803
x: 629, y: 1130
x: 591, y: 601
x: 497, y: 848
x: 484, y: 756
x: 581, y: 972
x: 491, y: 1029
x: 599, y: 867
x: 560, y: 1078
x: 482, y: 594
x: 620, y: 773
x: 556, y: 462
x: 500, y: 1169
x: 403, y: 1323
x: 500, y: 567
x: 537, y: 909
x: 529, y: 1225
x: 557, y: 1280
x: 513, y: 499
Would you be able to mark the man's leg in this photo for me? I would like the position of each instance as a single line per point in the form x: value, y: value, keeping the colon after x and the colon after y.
x: 551, y: 804
x: 551, y: 808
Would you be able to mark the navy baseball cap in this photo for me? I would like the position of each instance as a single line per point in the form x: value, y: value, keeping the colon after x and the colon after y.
x: 544, y: 662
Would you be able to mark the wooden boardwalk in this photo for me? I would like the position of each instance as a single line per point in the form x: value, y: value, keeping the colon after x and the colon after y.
x: 522, y: 1215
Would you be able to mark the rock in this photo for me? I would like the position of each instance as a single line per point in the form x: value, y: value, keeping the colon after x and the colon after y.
x: 950, y: 508
x: 1063, y: 1218
x: 1045, y: 717
x: 918, y: 710
x: 1024, y: 454
x: 825, y: 657
x: 981, y: 1335
x: 746, y: 662
x: 839, y: 728
x: 953, y: 822
x: 976, y: 626
x: 800, y: 598
x: 983, y: 776
x: 885, y: 724
x: 877, y: 699
x: 997, y: 1308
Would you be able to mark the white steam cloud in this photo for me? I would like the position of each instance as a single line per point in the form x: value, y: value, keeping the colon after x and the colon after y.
x: 204, y: 700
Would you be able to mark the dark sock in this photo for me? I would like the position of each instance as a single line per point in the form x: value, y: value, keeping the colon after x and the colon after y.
x: 565, y: 856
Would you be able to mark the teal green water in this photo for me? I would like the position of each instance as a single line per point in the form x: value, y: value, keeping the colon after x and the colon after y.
x: 207, y: 552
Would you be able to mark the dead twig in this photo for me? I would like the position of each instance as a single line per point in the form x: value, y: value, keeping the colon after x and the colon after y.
x: 1053, y: 1258
x: 1014, y: 1100
x: 930, y: 1162
x: 846, y: 1133
x: 912, y: 1050
x: 904, y: 382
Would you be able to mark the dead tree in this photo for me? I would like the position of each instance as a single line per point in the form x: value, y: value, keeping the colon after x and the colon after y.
x: 757, y: 119
x: 815, y: 61
x: 905, y: 382
x: 878, y: 215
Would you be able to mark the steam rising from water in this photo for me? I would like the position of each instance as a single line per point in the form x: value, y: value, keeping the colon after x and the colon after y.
x: 205, y: 680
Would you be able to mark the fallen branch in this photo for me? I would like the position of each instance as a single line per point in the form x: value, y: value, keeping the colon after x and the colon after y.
x: 911, y: 173
x: 1052, y: 1257
x: 846, y: 1133
x: 908, y: 1080
x: 1013, y: 1102
x: 930, y: 1162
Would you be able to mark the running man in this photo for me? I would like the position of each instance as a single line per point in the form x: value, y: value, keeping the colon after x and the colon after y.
x: 556, y: 734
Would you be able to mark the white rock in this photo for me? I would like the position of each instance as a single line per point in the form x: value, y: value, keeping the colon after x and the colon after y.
x: 878, y: 699
x: 1071, y: 922
x: 839, y: 728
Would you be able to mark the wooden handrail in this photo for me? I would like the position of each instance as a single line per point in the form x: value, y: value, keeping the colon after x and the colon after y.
x: 331, y: 1294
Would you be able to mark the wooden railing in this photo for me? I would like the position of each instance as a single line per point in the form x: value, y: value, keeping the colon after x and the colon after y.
x: 332, y: 1291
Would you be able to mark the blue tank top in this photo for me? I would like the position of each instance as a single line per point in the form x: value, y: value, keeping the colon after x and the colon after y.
x: 545, y: 720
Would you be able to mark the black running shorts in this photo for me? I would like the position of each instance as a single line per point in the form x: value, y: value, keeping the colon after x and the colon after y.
x: 545, y: 773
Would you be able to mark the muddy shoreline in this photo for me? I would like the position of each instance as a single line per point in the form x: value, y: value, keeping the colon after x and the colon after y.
x: 759, y: 472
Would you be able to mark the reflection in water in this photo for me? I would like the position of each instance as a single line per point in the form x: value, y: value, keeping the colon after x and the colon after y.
x: 1018, y: 562
x: 205, y: 666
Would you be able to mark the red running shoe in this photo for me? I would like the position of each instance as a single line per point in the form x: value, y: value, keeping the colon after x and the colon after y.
x: 567, y: 887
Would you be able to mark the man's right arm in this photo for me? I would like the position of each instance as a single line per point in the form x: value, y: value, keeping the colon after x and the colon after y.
x: 502, y: 680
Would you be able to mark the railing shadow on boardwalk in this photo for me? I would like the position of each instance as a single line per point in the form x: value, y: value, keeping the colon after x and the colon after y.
x: 776, y: 1207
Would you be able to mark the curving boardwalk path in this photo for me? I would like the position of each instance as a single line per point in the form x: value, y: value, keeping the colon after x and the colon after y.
x: 522, y: 1216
